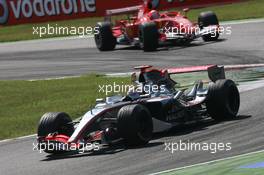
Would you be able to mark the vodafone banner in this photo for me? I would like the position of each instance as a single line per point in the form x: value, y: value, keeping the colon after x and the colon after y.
x: 14, y: 12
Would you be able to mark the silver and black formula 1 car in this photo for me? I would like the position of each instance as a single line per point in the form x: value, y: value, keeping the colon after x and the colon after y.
x: 135, y: 117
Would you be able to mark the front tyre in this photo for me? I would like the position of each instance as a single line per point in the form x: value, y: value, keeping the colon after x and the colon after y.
x: 206, y: 19
x: 223, y: 100
x: 104, y: 39
x: 148, y: 36
x: 55, y: 122
x: 135, y: 124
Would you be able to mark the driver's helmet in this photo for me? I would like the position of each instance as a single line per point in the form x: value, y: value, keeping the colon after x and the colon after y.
x: 148, y: 4
x: 154, y: 14
x: 153, y: 75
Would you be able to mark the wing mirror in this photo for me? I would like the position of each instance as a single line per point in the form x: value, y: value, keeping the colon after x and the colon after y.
x: 186, y: 10
x: 134, y: 78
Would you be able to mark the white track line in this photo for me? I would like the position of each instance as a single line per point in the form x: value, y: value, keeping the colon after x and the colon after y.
x: 204, y: 163
x: 228, y: 67
x: 243, y: 21
x: 243, y: 66
x: 39, y: 40
x: 55, y: 78
x: 19, y: 138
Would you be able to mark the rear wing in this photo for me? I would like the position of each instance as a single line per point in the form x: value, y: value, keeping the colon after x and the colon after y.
x: 125, y: 10
x: 120, y: 11
x: 214, y: 72
x: 188, y: 69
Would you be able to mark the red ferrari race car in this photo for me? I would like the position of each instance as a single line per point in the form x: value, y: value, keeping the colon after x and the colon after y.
x: 148, y: 29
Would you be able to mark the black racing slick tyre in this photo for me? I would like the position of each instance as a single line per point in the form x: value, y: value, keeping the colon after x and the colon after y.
x: 135, y: 125
x: 104, y: 39
x: 206, y: 19
x: 148, y: 36
x: 55, y: 122
x: 223, y: 100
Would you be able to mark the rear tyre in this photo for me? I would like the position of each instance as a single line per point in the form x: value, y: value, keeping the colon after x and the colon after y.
x: 55, y: 122
x: 206, y: 19
x: 135, y: 125
x: 148, y: 36
x: 223, y: 100
x: 104, y: 39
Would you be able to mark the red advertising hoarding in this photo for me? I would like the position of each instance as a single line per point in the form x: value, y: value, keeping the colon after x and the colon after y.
x: 14, y: 12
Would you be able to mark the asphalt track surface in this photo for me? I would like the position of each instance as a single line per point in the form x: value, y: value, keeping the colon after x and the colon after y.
x: 245, y: 45
x: 71, y: 57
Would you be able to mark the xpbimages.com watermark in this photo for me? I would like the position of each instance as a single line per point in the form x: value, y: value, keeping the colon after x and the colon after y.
x: 193, y: 30
x: 56, y: 29
x: 83, y: 31
x: 125, y: 88
x: 58, y: 146
x: 212, y: 147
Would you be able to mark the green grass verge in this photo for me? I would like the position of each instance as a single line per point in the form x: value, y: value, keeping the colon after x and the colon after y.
x: 245, y: 10
x: 24, y: 102
x: 234, y: 166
